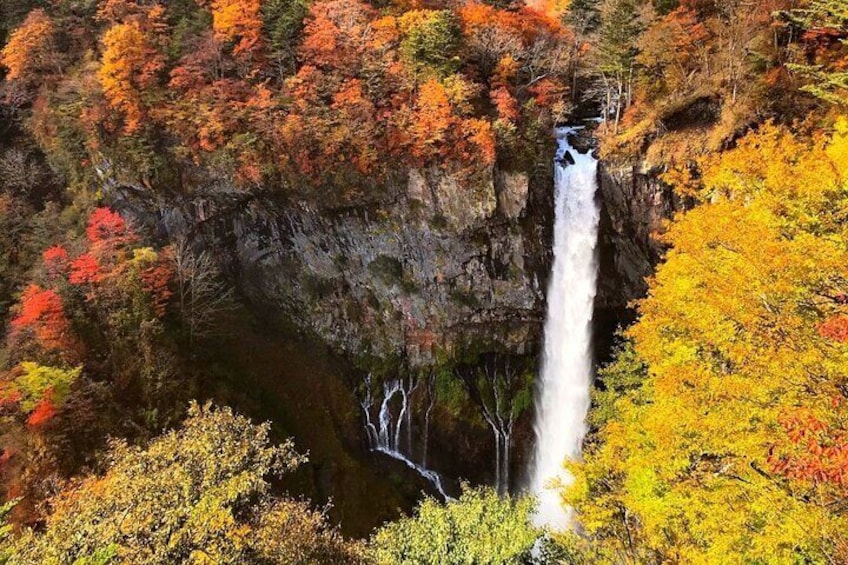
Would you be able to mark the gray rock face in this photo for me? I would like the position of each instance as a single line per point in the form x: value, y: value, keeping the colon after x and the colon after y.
x: 635, y: 205
x: 437, y: 264
x: 440, y: 263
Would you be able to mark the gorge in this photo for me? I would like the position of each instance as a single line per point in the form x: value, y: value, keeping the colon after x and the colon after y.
x: 307, y: 282
x: 415, y: 281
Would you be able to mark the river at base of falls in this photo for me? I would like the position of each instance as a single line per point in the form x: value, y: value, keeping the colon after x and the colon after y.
x: 562, y: 396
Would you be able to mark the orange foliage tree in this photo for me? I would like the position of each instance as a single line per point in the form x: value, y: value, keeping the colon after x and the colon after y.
x: 359, y: 81
x: 130, y: 65
x: 30, y: 48
x: 336, y: 33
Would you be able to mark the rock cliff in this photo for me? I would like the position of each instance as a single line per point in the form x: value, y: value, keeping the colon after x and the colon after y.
x: 434, y: 264
x: 635, y: 204
x: 439, y: 262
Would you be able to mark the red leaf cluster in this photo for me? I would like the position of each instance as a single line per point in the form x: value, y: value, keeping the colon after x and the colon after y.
x: 817, y: 454
x: 835, y: 328
x: 44, y: 411
x: 156, y: 281
x: 85, y: 269
x: 55, y: 259
x: 106, y: 227
x: 41, y: 311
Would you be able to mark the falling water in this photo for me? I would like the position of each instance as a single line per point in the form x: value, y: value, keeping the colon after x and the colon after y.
x: 563, y: 392
x: 386, y: 434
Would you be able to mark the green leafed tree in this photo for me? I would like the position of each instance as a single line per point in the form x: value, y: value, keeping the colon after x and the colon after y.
x: 433, y: 42
x: 283, y: 20
x: 5, y: 532
x: 619, y: 32
x: 480, y: 528
x: 199, y: 494
x: 826, y: 30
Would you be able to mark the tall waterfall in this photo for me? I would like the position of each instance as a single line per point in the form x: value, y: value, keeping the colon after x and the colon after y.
x: 563, y: 392
x: 386, y: 435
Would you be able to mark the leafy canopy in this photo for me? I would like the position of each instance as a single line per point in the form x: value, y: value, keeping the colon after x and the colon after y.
x: 480, y: 528
x: 199, y: 494
x: 732, y: 448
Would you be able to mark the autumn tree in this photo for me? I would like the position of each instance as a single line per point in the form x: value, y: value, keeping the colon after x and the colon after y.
x: 672, y: 50
x: 38, y: 391
x: 202, y: 491
x: 730, y: 447
x: 5, y: 532
x: 434, y: 120
x: 334, y: 33
x: 30, y: 50
x: 130, y: 65
x: 31, y: 56
x: 238, y: 22
x: 42, y: 317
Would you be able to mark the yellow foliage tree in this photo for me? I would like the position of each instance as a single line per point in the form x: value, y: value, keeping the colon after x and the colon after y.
x: 130, y: 65
x: 690, y: 466
x: 199, y: 494
x: 238, y: 21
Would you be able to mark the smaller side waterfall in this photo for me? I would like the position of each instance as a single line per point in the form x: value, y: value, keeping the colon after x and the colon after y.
x: 386, y: 435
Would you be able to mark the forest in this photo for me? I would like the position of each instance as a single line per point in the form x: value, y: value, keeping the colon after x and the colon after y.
x: 170, y: 395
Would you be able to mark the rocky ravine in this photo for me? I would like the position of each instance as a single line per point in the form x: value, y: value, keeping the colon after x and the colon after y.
x: 431, y: 269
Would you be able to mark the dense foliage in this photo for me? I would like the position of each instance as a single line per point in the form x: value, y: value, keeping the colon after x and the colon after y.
x: 283, y: 92
x: 731, y: 447
x: 719, y: 434
x: 199, y: 494
x: 680, y: 78
x: 92, y: 348
x: 479, y: 528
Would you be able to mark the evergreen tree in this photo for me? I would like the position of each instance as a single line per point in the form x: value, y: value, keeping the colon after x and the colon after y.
x: 619, y: 32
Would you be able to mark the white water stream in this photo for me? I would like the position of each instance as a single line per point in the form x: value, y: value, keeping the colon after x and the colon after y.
x: 566, y: 375
x: 386, y: 435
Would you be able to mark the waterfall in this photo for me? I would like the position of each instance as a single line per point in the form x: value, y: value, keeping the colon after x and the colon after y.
x: 563, y: 389
x: 385, y: 435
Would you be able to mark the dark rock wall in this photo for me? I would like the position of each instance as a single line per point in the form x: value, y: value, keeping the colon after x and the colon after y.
x: 433, y: 268
x: 635, y: 205
x: 438, y: 264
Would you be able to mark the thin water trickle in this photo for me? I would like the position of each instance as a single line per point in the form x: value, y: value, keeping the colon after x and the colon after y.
x: 386, y: 438
x: 563, y: 392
